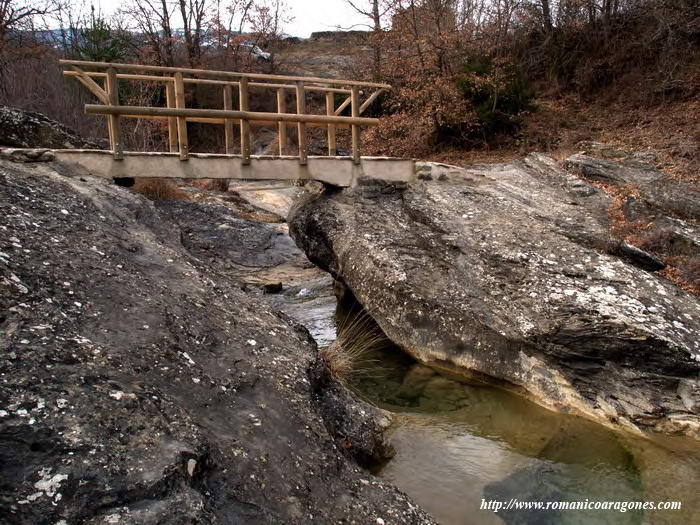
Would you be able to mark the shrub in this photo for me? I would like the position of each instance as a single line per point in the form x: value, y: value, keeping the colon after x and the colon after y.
x: 658, y: 241
x: 498, y: 93
x: 212, y: 184
x: 432, y: 110
x: 157, y: 189
x: 689, y: 271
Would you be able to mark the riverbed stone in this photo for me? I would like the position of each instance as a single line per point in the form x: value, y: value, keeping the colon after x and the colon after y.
x: 415, y: 381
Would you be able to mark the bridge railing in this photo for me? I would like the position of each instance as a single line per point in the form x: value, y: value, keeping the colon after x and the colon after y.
x: 90, y: 74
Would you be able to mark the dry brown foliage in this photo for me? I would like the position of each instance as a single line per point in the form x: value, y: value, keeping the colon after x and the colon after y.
x: 662, y: 242
x: 685, y: 273
x: 157, y: 189
x: 670, y: 130
x: 689, y: 270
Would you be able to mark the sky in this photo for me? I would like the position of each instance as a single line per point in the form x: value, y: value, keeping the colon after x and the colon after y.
x: 309, y: 15
x: 322, y: 15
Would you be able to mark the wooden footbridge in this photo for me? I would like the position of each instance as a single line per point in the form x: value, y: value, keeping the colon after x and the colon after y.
x: 103, y: 79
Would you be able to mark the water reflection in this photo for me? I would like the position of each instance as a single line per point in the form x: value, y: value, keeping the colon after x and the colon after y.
x: 458, y: 444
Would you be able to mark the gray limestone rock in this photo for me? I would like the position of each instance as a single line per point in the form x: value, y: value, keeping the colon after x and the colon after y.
x: 496, y: 273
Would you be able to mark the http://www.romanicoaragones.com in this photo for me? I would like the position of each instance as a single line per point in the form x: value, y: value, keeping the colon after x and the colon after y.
x: 620, y: 506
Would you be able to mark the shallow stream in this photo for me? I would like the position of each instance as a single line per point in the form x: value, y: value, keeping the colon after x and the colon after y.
x: 459, y: 444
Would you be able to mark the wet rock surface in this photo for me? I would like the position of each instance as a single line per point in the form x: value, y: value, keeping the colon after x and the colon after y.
x: 495, y: 272
x: 24, y: 129
x: 252, y: 244
x: 140, y: 384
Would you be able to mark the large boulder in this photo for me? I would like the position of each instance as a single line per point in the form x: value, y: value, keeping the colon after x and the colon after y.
x: 25, y: 129
x: 500, y: 273
x: 139, y: 384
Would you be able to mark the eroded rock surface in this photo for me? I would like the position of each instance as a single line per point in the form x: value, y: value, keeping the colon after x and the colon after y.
x: 496, y: 272
x: 250, y: 244
x: 139, y: 384
x: 24, y: 129
x: 656, y: 190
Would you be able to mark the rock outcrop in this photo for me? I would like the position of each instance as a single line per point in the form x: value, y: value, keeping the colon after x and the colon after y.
x: 498, y: 273
x: 140, y: 384
x: 655, y: 189
x: 667, y: 208
x: 24, y: 129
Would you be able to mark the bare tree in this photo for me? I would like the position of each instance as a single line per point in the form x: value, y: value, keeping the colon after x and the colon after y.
x: 14, y: 13
x: 152, y: 19
x: 226, y: 26
x: 193, y: 14
x: 374, y: 12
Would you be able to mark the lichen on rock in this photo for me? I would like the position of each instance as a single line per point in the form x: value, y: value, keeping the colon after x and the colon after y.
x: 25, y: 129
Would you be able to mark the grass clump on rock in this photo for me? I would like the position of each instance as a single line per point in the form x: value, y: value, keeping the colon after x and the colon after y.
x: 358, y: 334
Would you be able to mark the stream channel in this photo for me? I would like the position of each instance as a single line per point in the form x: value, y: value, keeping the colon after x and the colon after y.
x: 459, y: 444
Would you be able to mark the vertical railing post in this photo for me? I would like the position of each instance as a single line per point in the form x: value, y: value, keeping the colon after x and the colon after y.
x: 330, y: 111
x: 115, y: 134
x: 172, y: 121
x: 182, y: 141
x: 108, y: 120
x: 301, y: 109
x: 355, y: 103
x: 281, y: 126
x: 228, y: 123
x: 245, y: 124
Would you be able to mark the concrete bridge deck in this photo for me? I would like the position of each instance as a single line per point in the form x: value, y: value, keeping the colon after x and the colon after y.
x: 338, y: 171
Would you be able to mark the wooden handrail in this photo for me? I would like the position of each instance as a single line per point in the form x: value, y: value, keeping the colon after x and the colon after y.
x: 228, y: 123
x: 281, y: 126
x: 330, y: 110
x: 244, y: 99
x: 177, y: 114
x: 86, y: 80
x: 115, y: 133
x: 355, y: 130
x: 182, y: 142
x: 219, y: 120
x: 96, y: 109
x: 235, y: 83
x: 301, y: 125
x: 228, y: 74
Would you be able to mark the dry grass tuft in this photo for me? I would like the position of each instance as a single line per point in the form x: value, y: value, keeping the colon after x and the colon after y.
x: 665, y: 243
x: 358, y: 334
x: 157, y: 189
